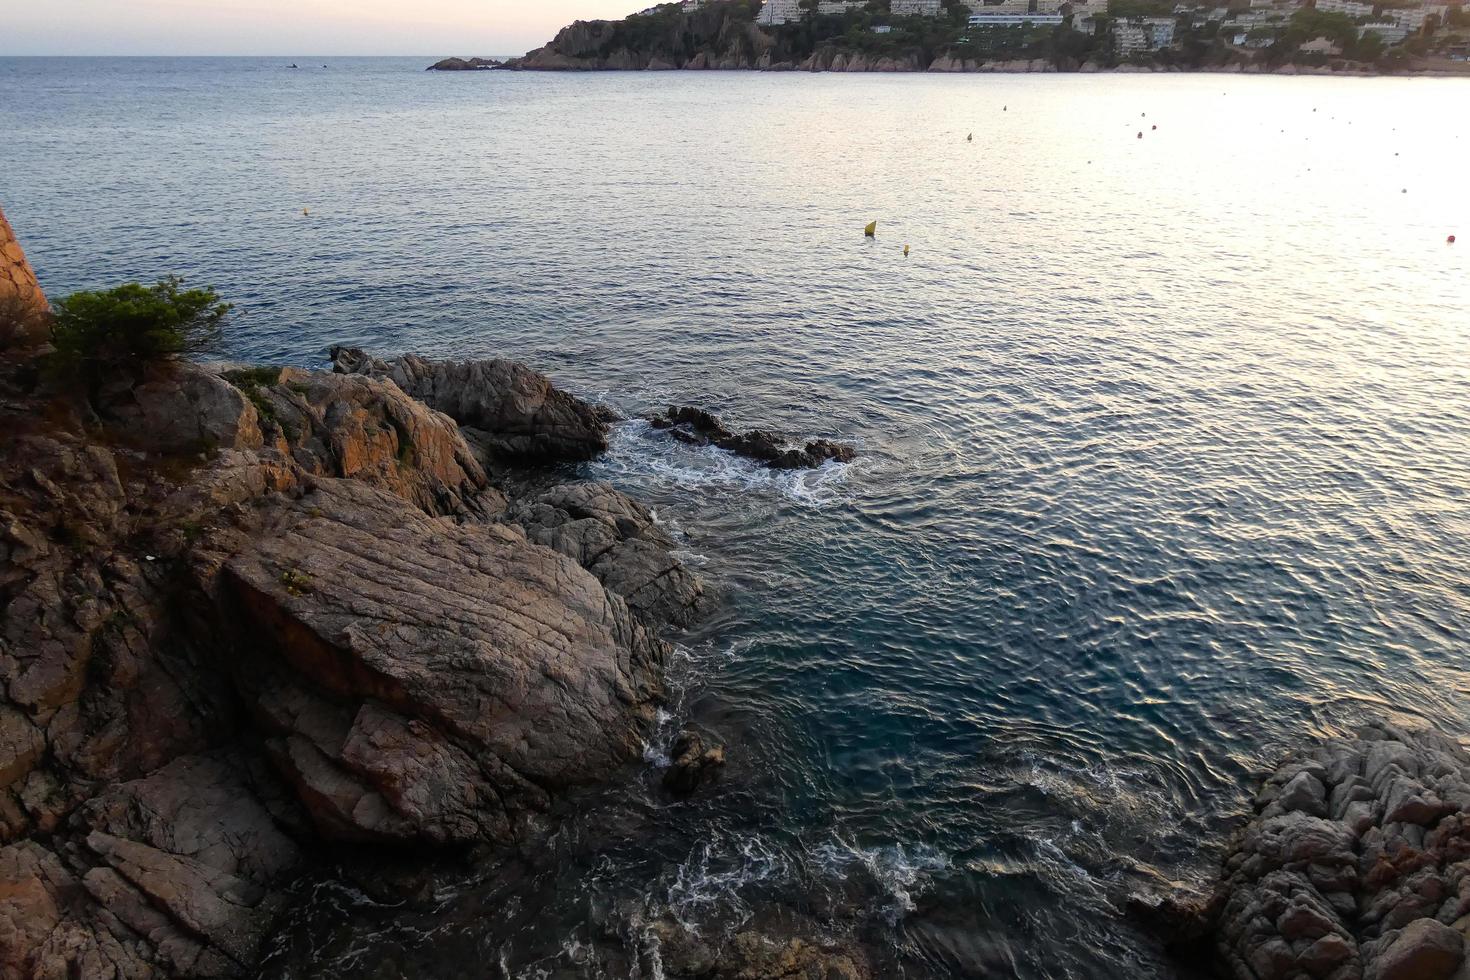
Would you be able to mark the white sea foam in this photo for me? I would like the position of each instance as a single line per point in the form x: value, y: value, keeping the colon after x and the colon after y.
x: 708, y: 883
x: 639, y: 451
x: 900, y: 871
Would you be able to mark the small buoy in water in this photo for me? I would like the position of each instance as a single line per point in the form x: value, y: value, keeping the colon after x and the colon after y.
x: 1140, y: 134
x: 1005, y: 108
x: 1450, y: 240
x: 1404, y: 191
x: 970, y: 138
x: 871, y: 230
x: 1156, y: 126
x: 905, y: 251
x: 306, y: 212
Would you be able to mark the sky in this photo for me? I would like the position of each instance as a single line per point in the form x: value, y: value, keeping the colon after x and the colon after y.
x: 283, y: 27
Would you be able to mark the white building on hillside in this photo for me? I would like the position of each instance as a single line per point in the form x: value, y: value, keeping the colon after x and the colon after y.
x: 1160, y: 31
x: 1389, y: 31
x: 916, y: 8
x: 1350, y: 7
x: 988, y: 20
x: 1130, y: 38
x: 778, y: 12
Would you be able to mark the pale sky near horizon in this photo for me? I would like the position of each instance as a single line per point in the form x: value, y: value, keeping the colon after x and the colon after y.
x: 285, y: 27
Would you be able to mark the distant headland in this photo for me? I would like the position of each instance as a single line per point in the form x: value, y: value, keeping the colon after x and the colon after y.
x: 1281, y: 36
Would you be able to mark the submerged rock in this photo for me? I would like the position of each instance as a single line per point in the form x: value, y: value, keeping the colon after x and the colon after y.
x: 791, y: 949
x: 698, y: 427
x: 516, y: 412
x: 693, y: 762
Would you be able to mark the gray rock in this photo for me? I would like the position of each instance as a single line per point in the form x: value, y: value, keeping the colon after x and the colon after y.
x: 464, y: 657
x: 521, y: 415
x: 618, y: 540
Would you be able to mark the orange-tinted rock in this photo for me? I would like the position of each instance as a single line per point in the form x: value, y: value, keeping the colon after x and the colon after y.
x: 22, y: 303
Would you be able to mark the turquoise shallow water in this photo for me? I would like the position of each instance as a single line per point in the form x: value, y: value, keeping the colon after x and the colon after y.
x: 1164, y: 445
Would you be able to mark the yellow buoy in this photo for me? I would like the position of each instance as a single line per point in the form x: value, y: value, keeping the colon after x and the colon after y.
x: 306, y: 211
x: 905, y: 251
x: 871, y: 230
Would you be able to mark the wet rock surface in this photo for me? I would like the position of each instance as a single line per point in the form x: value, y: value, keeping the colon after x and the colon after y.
x: 793, y: 949
x: 693, y: 761
x: 700, y: 428
x: 1355, y: 867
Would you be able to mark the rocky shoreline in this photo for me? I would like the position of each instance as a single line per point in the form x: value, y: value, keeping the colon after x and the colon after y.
x: 252, y: 618
x: 258, y: 619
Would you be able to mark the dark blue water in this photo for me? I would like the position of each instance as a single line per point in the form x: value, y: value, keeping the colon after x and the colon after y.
x: 1164, y: 445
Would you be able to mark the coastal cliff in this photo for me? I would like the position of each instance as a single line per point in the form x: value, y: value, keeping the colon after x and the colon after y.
x: 728, y: 35
x: 248, y: 610
x: 245, y: 613
x: 718, y: 35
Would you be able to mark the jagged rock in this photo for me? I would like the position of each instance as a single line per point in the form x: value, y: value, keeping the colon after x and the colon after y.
x: 1353, y: 868
x: 520, y: 413
x: 692, y: 762
x: 1423, y: 950
x: 618, y: 540
x: 368, y: 430
x: 313, y: 549
x: 698, y: 427
x: 464, y: 656
x: 174, y: 877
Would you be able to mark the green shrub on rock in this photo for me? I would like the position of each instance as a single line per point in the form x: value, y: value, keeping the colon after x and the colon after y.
x: 99, y: 335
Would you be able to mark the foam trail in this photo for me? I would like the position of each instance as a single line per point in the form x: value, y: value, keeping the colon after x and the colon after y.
x: 639, y: 451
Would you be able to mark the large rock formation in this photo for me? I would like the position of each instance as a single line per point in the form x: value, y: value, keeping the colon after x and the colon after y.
x: 424, y: 679
x: 1355, y: 867
x: 22, y: 303
x: 509, y: 410
x: 244, y: 612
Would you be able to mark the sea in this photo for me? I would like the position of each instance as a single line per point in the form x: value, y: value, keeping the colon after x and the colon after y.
x: 1161, y: 389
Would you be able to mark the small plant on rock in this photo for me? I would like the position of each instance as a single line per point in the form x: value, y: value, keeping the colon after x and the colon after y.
x: 295, y: 581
